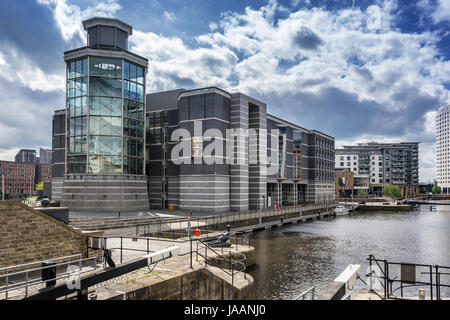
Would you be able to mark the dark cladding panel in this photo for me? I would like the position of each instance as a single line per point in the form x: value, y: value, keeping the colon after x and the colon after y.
x: 197, y: 107
x: 183, y: 109
x: 210, y: 105
x: 93, y: 36
x: 58, y: 170
x: 154, y: 168
x: 121, y: 37
x: 107, y: 36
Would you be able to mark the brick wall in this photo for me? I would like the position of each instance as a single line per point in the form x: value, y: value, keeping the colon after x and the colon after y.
x: 27, y: 235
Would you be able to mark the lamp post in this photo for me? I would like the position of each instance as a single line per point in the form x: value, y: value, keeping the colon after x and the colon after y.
x: 3, y: 187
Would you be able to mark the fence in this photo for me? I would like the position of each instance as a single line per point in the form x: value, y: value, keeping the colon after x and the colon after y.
x: 156, y: 228
x: 407, y: 275
x: 30, y: 278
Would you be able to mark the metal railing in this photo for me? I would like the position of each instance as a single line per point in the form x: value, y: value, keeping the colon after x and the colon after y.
x: 302, y: 296
x: 412, y: 278
x: 219, y: 258
x: 201, y: 245
x: 32, y: 277
x: 167, y: 224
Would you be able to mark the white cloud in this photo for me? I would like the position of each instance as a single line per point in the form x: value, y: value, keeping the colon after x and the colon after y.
x: 21, y: 70
x: 69, y: 17
x: 442, y: 12
x: 169, y: 15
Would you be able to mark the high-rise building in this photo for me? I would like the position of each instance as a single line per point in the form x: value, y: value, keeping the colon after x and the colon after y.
x: 26, y: 155
x: 378, y: 164
x: 45, y: 156
x: 105, y: 108
x: 443, y: 148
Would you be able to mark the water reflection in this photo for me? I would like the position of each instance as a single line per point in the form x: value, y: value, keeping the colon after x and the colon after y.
x: 293, y: 258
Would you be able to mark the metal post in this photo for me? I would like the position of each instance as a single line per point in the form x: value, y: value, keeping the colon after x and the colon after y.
x: 3, y: 187
x: 190, y: 240
x: 438, y: 287
x: 431, y: 283
x: 148, y: 251
x: 121, y: 250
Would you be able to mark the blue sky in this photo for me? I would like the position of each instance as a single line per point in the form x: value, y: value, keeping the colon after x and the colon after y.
x: 355, y: 69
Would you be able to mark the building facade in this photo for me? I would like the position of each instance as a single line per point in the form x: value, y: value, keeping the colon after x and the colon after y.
x: 44, y: 173
x: 104, y: 136
x: 58, y: 153
x: 258, y: 166
x: 443, y: 148
x: 18, y: 178
x: 378, y: 164
x: 45, y: 156
x: 26, y: 155
x: 344, y: 183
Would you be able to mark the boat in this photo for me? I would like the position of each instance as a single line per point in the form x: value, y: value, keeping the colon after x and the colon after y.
x: 341, y: 210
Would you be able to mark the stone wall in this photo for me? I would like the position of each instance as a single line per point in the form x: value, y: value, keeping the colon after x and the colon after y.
x: 201, y: 284
x: 27, y: 235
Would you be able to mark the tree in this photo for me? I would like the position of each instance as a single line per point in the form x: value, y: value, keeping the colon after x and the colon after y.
x: 436, y: 188
x: 391, y: 191
x: 362, y: 193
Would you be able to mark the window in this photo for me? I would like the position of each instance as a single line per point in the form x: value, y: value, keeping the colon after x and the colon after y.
x: 105, y: 67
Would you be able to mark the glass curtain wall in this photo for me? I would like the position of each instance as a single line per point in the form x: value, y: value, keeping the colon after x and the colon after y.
x: 77, y: 115
x: 114, y: 142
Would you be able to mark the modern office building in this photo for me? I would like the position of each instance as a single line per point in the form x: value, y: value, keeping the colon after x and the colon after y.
x: 18, y: 177
x: 378, y: 164
x: 113, y: 150
x: 443, y: 148
x: 26, y: 155
x: 105, y: 142
x: 257, y: 168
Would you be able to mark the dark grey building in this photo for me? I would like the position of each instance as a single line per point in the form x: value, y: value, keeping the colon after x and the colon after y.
x: 58, y: 153
x: 26, y: 155
x: 257, y: 168
x: 104, y: 165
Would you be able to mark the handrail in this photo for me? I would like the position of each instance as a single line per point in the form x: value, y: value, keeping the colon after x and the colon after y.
x: 34, y: 281
x: 304, y: 293
x: 230, y: 261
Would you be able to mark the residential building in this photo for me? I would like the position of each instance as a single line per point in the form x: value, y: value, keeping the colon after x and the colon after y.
x: 378, y: 164
x: 26, y: 155
x: 443, y: 148
x: 18, y: 177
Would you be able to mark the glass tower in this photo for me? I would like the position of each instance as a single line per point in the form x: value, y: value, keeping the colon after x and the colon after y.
x: 105, y: 106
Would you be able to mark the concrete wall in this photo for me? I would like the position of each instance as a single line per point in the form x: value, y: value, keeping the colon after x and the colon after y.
x: 27, y: 235
x: 200, y: 284
x: 105, y: 192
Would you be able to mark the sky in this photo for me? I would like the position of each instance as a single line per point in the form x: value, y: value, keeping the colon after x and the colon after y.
x: 357, y: 70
